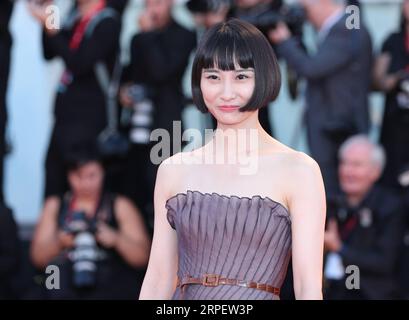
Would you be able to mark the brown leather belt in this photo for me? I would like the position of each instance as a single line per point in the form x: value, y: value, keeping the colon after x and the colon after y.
x: 214, y: 280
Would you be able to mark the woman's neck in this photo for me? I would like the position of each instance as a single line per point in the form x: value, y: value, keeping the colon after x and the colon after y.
x: 87, y: 203
x: 241, y: 139
x: 87, y: 198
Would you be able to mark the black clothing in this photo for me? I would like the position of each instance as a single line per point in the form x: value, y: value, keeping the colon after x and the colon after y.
x: 395, y: 129
x: 336, y: 98
x: 115, y: 279
x: 158, y: 61
x: 372, y: 236
x: 80, y: 113
x: 9, y: 251
x: 118, y: 5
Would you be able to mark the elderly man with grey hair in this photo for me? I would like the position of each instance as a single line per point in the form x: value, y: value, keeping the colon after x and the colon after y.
x: 365, y: 227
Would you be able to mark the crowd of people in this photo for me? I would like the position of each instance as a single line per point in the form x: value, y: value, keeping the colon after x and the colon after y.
x: 104, y: 202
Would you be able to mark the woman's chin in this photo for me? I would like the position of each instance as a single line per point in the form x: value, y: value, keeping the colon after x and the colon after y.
x: 229, y: 118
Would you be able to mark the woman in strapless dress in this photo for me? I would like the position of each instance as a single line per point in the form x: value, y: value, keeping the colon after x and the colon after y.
x: 230, y: 214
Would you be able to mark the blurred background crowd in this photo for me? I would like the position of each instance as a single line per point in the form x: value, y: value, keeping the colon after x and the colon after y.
x: 116, y: 70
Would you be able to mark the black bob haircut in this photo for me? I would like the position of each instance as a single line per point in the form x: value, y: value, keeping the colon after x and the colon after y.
x: 239, y: 42
x: 82, y: 153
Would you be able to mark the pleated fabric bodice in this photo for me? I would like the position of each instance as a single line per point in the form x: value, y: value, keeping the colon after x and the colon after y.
x: 235, y: 237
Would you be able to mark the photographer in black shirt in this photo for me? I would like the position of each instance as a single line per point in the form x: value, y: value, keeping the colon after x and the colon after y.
x: 96, y: 238
x: 88, y: 41
x: 159, y: 57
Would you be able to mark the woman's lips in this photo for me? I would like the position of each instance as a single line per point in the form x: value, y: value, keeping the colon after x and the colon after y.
x: 228, y: 108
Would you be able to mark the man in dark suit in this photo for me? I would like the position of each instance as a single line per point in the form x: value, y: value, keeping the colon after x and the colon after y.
x: 159, y: 57
x: 338, y: 77
x: 118, y: 5
x: 365, y: 228
x: 6, y: 7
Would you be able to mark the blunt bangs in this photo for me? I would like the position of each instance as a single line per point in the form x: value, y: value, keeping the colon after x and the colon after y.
x: 238, y: 44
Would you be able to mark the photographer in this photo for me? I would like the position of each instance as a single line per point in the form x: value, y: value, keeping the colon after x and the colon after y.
x: 87, y: 43
x: 365, y: 226
x: 97, y: 240
x: 159, y: 57
x: 392, y: 77
x: 6, y: 7
x: 338, y: 81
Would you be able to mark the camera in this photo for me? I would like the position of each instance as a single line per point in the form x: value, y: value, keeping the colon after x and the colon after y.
x: 141, y: 119
x: 85, y: 254
x: 403, y: 176
x: 403, y: 93
x: 402, y: 99
x: 293, y: 16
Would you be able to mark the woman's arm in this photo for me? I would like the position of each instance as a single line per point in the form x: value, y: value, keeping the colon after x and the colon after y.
x: 382, y: 80
x: 101, y: 44
x: 131, y: 240
x: 48, y: 241
x: 308, y: 210
x: 160, y: 278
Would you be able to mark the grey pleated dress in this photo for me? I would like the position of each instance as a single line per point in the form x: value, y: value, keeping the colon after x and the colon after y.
x: 235, y: 237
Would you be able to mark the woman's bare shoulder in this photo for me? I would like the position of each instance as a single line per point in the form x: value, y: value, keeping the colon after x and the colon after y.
x: 172, y: 170
x: 298, y: 164
x: 293, y: 165
x: 178, y: 163
x: 300, y: 159
x: 52, y: 203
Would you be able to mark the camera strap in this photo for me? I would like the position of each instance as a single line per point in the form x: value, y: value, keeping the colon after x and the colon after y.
x: 109, y: 84
x: 104, y: 210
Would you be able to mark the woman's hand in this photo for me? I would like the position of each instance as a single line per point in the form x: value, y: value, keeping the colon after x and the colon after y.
x: 106, y: 236
x: 279, y: 33
x: 40, y: 13
x: 382, y: 79
x: 124, y: 98
x: 332, y: 240
x: 65, y: 239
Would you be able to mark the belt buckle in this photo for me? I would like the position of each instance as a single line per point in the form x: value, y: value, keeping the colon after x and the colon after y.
x: 210, y: 280
x: 242, y: 283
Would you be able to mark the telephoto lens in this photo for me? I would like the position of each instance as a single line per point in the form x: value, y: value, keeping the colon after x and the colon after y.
x: 142, y: 118
x: 85, y: 252
x: 84, y: 260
